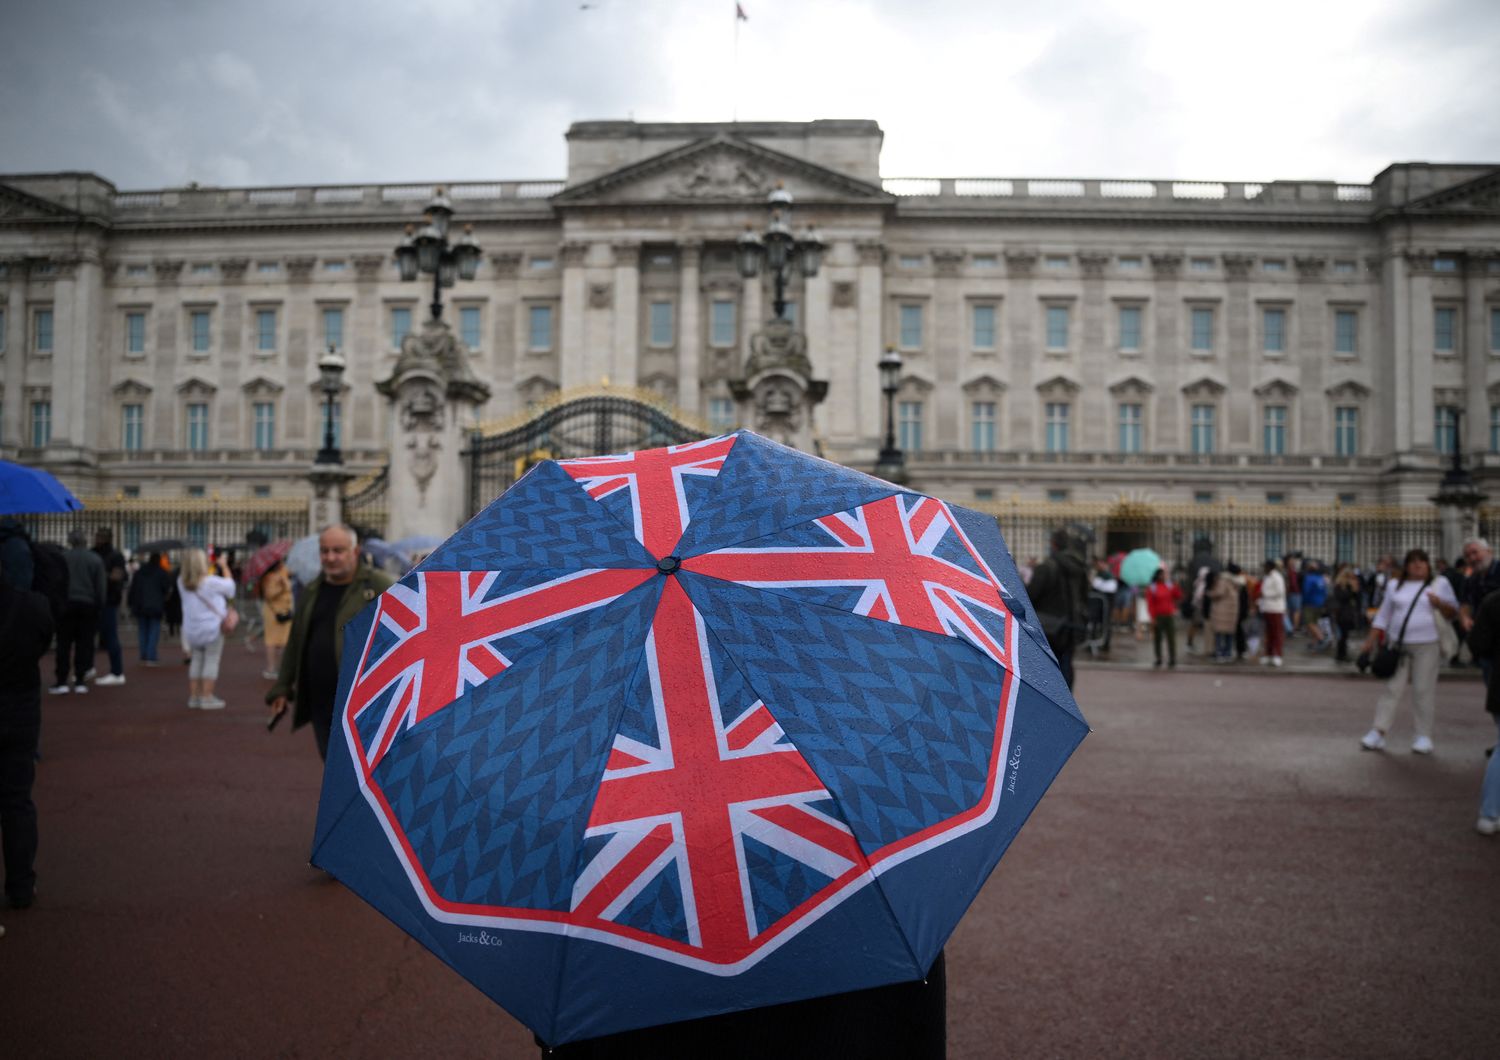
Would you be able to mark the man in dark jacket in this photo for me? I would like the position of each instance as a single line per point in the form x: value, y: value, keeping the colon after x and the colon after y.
x: 25, y: 632
x: 147, y: 598
x: 15, y: 553
x: 1484, y: 642
x: 75, y: 634
x: 109, y: 616
x: 309, y: 675
x: 1059, y: 593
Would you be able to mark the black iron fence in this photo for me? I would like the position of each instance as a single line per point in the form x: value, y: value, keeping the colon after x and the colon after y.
x: 138, y: 523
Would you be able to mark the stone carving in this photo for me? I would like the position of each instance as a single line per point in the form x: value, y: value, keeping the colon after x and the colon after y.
x: 778, y: 345
x: 844, y: 295
x: 947, y: 261
x: 871, y: 253
x: 232, y: 270
x: 1020, y: 263
x: 423, y: 409
x: 1310, y: 267
x: 367, y: 267
x: 1166, y: 266
x: 1238, y: 266
x: 574, y: 254
x: 166, y: 270
x: 600, y: 295
x: 721, y: 176
x: 300, y: 269
x: 1094, y: 262
x: 778, y: 386
x: 506, y: 264
x: 778, y: 411
x: 435, y: 352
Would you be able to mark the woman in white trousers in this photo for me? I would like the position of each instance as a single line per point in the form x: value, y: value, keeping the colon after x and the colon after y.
x: 1408, y: 616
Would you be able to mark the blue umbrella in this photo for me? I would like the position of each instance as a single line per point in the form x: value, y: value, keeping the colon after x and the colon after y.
x: 688, y: 731
x: 32, y: 491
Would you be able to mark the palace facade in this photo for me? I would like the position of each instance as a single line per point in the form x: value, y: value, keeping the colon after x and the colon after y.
x: 1066, y: 340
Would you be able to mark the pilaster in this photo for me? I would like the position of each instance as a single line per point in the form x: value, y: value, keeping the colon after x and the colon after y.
x: 627, y: 307
x: 573, y: 366
x: 689, y: 328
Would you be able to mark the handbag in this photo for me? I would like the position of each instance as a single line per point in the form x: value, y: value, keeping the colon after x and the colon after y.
x: 1447, y: 635
x: 231, y: 620
x: 1387, y: 659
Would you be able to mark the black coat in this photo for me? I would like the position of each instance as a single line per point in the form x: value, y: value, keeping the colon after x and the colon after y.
x: 149, y: 590
x: 1484, y: 642
x: 25, y: 633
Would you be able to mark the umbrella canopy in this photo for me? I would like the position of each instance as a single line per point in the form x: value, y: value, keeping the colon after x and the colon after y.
x: 302, y: 559
x: 1139, y: 567
x: 263, y: 559
x: 691, y: 730
x: 32, y: 491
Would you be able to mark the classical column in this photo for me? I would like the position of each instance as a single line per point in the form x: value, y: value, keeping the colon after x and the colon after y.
x: 1025, y: 356
x: 1397, y: 333
x: 573, y: 366
x: 689, y: 329
x: 1416, y: 386
x: 866, y: 397
x: 840, y: 362
x: 626, y: 365
x: 1096, y: 415
x: 506, y: 357
x: 1168, y: 359
x: 1236, y: 355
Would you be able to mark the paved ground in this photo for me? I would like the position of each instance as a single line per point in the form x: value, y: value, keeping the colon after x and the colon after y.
x: 1218, y: 872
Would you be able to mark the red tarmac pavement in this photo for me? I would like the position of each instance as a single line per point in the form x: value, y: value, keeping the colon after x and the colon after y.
x: 1218, y: 872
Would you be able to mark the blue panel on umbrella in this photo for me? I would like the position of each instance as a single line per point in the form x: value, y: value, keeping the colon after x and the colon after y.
x: 984, y: 534
x: 543, y: 522
x: 525, y: 752
x: 735, y: 695
x: 898, y: 724
x: 765, y: 487
x: 658, y: 909
x: 778, y: 884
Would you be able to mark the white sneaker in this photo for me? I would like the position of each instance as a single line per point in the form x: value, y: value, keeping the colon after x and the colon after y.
x: 110, y: 679
x: 60, y: 690
x: 88, y: 675
x: 194, y: 702
x: 1487, y: 825
x: 211, y: 703
x: 1276, y: 660
x: 80, y: 689
x: 1373, y: 741
x: 1422, y: 745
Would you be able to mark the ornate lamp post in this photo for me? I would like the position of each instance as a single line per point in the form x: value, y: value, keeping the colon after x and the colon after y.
x: 427, y: 250
x: 779, y: 249
x: 891, y: 464
x: 331, y: 379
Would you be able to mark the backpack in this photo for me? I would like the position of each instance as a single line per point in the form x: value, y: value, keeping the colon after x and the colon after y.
x: 49, y: 575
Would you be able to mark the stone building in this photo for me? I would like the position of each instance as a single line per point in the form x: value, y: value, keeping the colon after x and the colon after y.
x: 1063, y: 340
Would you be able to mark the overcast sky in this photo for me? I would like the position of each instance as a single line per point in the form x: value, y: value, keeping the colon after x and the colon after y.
x: 154, y: 93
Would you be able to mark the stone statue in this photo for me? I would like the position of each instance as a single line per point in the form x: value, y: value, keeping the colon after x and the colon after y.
x: 778, y: 387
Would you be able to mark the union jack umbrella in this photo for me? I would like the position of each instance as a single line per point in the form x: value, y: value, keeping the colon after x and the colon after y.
x: 691, y: 730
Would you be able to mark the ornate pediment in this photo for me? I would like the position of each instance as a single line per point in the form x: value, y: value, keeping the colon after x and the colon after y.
x: 1060, y: 385
x: 720, y: 169
x: 1206, y: 387
x: 196, y: 387
x: 536, y: 388
x: 984, y: 385
x: 1131, y: 384
x: 1477, y: 197
x: 17, y: 206
x: 1282, y: 389
x: 1348, y: 390
x: 261, y: 385
x: 913, y: 384
x: 131, y: 388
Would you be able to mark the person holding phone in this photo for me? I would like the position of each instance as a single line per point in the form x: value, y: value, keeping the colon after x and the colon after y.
x: 207, y: 595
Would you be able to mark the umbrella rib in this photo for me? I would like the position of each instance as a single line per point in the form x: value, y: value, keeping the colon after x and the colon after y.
x: 800, y: 521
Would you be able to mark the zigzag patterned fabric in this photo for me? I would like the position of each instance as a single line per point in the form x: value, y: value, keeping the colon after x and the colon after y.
x: 670, y: 733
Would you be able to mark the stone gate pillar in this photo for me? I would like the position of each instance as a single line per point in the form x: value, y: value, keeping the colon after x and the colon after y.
x: 777, y: 392
x: 432, y: 393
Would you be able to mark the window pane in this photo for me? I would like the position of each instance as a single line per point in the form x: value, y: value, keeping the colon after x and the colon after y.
x: 661, y: 323
x: 265, y: 329
x: 1444, y: 326
x: 722, y: 323
x: 1445, y: 429
x: 1274, y: 433
x: 983, y: 420
x: 200, y: 322
x: 135, y: 332
x: 1274, y: 326
x: 1130, y: 328
x: 909, y: 422
x: 790, y: 315
x: 1495, y: 428
x: 1345, y: 331
x: 265, y: 425
x: 468, y: 326
x: 132, y: 425
x: 2, y: 331
x: 1131, y: 428
x: 197, y: 426
x: 1057, y: 327
x: 984, y: 327
x: 1057, y: 426
x: 1203, y: 329
x: 1346, y: 431
x: 541, y: 327
x: 1203, y: 440
x: 42, y: 341
x: 1275, y: 544
x: 338, y: 425
x: 1494, y: 330
x: 333, y: 328
x: 41, y: 424
x: 911, y: 327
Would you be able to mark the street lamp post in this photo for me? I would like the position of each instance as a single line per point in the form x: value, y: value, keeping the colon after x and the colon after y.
x: 428, y: 250
x: 331, y: 379
x: 779, y: 250
x: 891, y: 464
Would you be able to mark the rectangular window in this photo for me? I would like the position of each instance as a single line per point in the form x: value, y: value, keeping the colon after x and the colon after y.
x: 197, y: 532
x: 1057, y: 496
x: 133, y: 428
x: 202, y: 268
x: 984, y: 261
x: 260, y: 491
x: 468, y: 325
x: 984, y: 327
x: 1201, y: 264
x: 1445, y: 329
x: 1057, y: 426
x: 265, y: 330
x: 661, y: 324
x: 267, y: 266
x: 722, y: 329
x: 198, y: 322
x: 1344, y: 268
x: 1494, y: 331
x: 41, y: 424
x: 41, y: 334
x: 1203, y: 497
x: 909, y: 423
x: 911, y: 327
x: 400, y: 325
x: 1275, y: 498
x: 1346, y: 332
x: 1274, y: 431
x: 540, y: 335
x: 338, y: 425
x: 910, y: 261
x: 1130, y: 263
x: 1343, y: 546
x: 333, y: 328
x: 1057, y: 327
x: 265, y: 425
x: 1132, y: 430
x: 135, y: 332
x: 130, y: 539
x: 1346, y: 431
x: 1204, y: 432
x: 721, y: 414
x: 1444, y: 264
x: 197, y: 491
x: 541, y: 263
x: 1203, y: 330
x: 1273, y: 265
x: 1275, y: 544
x: 197, y: 426
x: 1273, y: 328
x: 1130, y: 328
x: 1445, y: 429
x: 1056, y: 261
x: 982, y: 420
x: 790, y: 313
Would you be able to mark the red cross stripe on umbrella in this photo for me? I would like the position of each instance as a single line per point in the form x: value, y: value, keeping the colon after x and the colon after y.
x: 654, y: 479
x: 890, y: 547
x: 687, y: 803
x: 445, y: 640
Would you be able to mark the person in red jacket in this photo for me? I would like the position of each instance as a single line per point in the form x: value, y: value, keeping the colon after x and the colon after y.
x: 1162, y: 598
